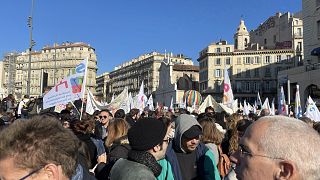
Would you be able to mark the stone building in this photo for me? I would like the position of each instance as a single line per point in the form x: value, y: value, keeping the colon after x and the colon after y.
x: 48, y: 66
x: 307, y: 76
x: 143, y: 68
x: 252, y: 67
x: 103, y: 87
x: 175, y: 80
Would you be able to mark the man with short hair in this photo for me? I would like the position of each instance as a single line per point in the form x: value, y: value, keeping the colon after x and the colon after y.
x: 39, y: 149
x: 188, y: 157
x: 149, y: 140
x: 278, y: 147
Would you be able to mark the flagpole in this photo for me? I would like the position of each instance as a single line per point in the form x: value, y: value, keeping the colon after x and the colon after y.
x: 84, y: 88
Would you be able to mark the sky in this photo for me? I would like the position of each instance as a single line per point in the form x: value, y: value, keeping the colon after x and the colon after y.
x: 121, y: 30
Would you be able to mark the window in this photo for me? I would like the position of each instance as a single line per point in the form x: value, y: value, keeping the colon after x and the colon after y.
x: 238, y: 86
x: 288, y: 57
x: 218, y: 61
x: 256, y: 86
x: 299, y: 48
x: 248, y: 73
x: 267, y: 60
x: 228, y: 62
x: 247, y: 86
x: 81, y: 48
x: 256, y: 72
x: 265, y: 41
x: 218, y: 50
x: 256, y: 60
x: 238, y: 72
x: 247, y: 60
x: 268, y: 72
x: 274, y: 38
x: 299, y: 32
x: 217, y: 73
x: 278, y: 58
x: 267, y: 86
x: 238, y: 60
x: 227, y: 49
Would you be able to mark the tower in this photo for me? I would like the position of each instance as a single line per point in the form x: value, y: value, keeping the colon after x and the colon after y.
x: 241, y: 37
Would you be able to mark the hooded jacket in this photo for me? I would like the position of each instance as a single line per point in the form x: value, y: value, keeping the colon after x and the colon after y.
x: 206, y: 167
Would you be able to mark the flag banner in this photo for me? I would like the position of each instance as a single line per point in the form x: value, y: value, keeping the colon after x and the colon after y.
x: 91, y: 105
x: 235, y: 106
x: 68, y: 89
x: 312, y: 110
x: 259, y: 102
x: 245, y: 108
x: 255, y: 107
x: 297, y: 109
x: 141, y: 99
x: 150, y: 103
x: 227, y: 90
x: 273, y: 110
x: 266, y: 104
x: 282, y: 103
x: 171, y: 105
x: 120, y: 102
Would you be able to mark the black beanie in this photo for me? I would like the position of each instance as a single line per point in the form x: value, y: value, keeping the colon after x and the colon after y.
x: 146, y: 133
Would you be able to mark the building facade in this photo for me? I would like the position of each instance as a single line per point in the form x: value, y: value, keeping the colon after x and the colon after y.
x: 2, y: 91
x: 144, y: 68
x: 103, y: 87
x: 252, y: 68
x: 48, y: 67
x: 307, y: 76
x: 175, y: 80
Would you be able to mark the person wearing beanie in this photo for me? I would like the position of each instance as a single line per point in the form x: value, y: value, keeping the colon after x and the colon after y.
x: 187, y: 156
x: 149, y: 139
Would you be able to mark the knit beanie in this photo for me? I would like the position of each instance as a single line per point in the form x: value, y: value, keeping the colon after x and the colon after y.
x: 146, y: 133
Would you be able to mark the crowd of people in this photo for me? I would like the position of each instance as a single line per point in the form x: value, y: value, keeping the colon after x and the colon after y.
x: 182, y: 145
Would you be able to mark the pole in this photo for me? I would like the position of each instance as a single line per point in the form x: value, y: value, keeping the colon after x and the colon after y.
x: 55, y: 65
x: 84, y: 87
x: 288, y: 91
x: 30, y: 47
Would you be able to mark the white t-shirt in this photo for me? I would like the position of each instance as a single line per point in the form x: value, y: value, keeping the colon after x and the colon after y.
x: 21, y: 104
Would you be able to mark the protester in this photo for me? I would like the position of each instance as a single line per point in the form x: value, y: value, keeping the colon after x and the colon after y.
x: 265, y: 112
x: 117, y: 145
x: 22, y: 112
x: 278, y: 147
x: 211, y: 137
x: 133, y: 116
x: 120, y: 113
x: 39, y: 148
x: 188, y: 157
x: 316, y: 126
x: 148, y: 139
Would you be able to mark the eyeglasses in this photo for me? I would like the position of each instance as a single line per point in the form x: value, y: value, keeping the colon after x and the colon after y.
x: 104, y: 117
x: 167, y: 140
x: 243, y: 151
x: 30, y: 174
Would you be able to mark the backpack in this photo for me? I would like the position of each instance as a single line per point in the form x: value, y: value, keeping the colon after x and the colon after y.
x: 224, y: 163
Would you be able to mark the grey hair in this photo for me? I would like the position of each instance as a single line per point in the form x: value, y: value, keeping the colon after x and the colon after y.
x: 291, y: 139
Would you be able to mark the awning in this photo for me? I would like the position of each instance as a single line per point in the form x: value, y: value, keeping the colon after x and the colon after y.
x: 315, y: 52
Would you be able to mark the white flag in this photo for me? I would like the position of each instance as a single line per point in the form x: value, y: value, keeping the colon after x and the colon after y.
x: 259, y: 102
x: 266, y: 104
x: 69, y: 89
x: 312, y: 110
x: 227, y: 90
x: 91, y: 105
x: 273, y: 111
x: 245, y: 108
x: 141, y: 98
x: 150, y: 103
x: 171, y: 105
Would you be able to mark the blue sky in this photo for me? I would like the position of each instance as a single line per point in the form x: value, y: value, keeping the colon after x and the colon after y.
x: 120, y: 30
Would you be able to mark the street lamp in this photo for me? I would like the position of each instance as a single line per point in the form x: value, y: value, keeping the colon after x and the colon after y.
x: 32, y: 43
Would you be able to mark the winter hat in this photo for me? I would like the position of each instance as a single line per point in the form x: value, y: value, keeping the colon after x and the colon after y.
x: 146, y: 133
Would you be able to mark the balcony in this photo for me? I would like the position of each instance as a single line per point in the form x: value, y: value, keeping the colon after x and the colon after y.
x: 298, y: 36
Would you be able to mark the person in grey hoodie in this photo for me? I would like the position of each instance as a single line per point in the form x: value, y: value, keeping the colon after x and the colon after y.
x: 187, y: 156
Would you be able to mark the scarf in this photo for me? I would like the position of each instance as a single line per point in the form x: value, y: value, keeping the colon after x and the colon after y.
x: 146, y: 159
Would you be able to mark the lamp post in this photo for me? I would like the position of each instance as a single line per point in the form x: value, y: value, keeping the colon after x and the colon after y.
x: 32, y: 43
